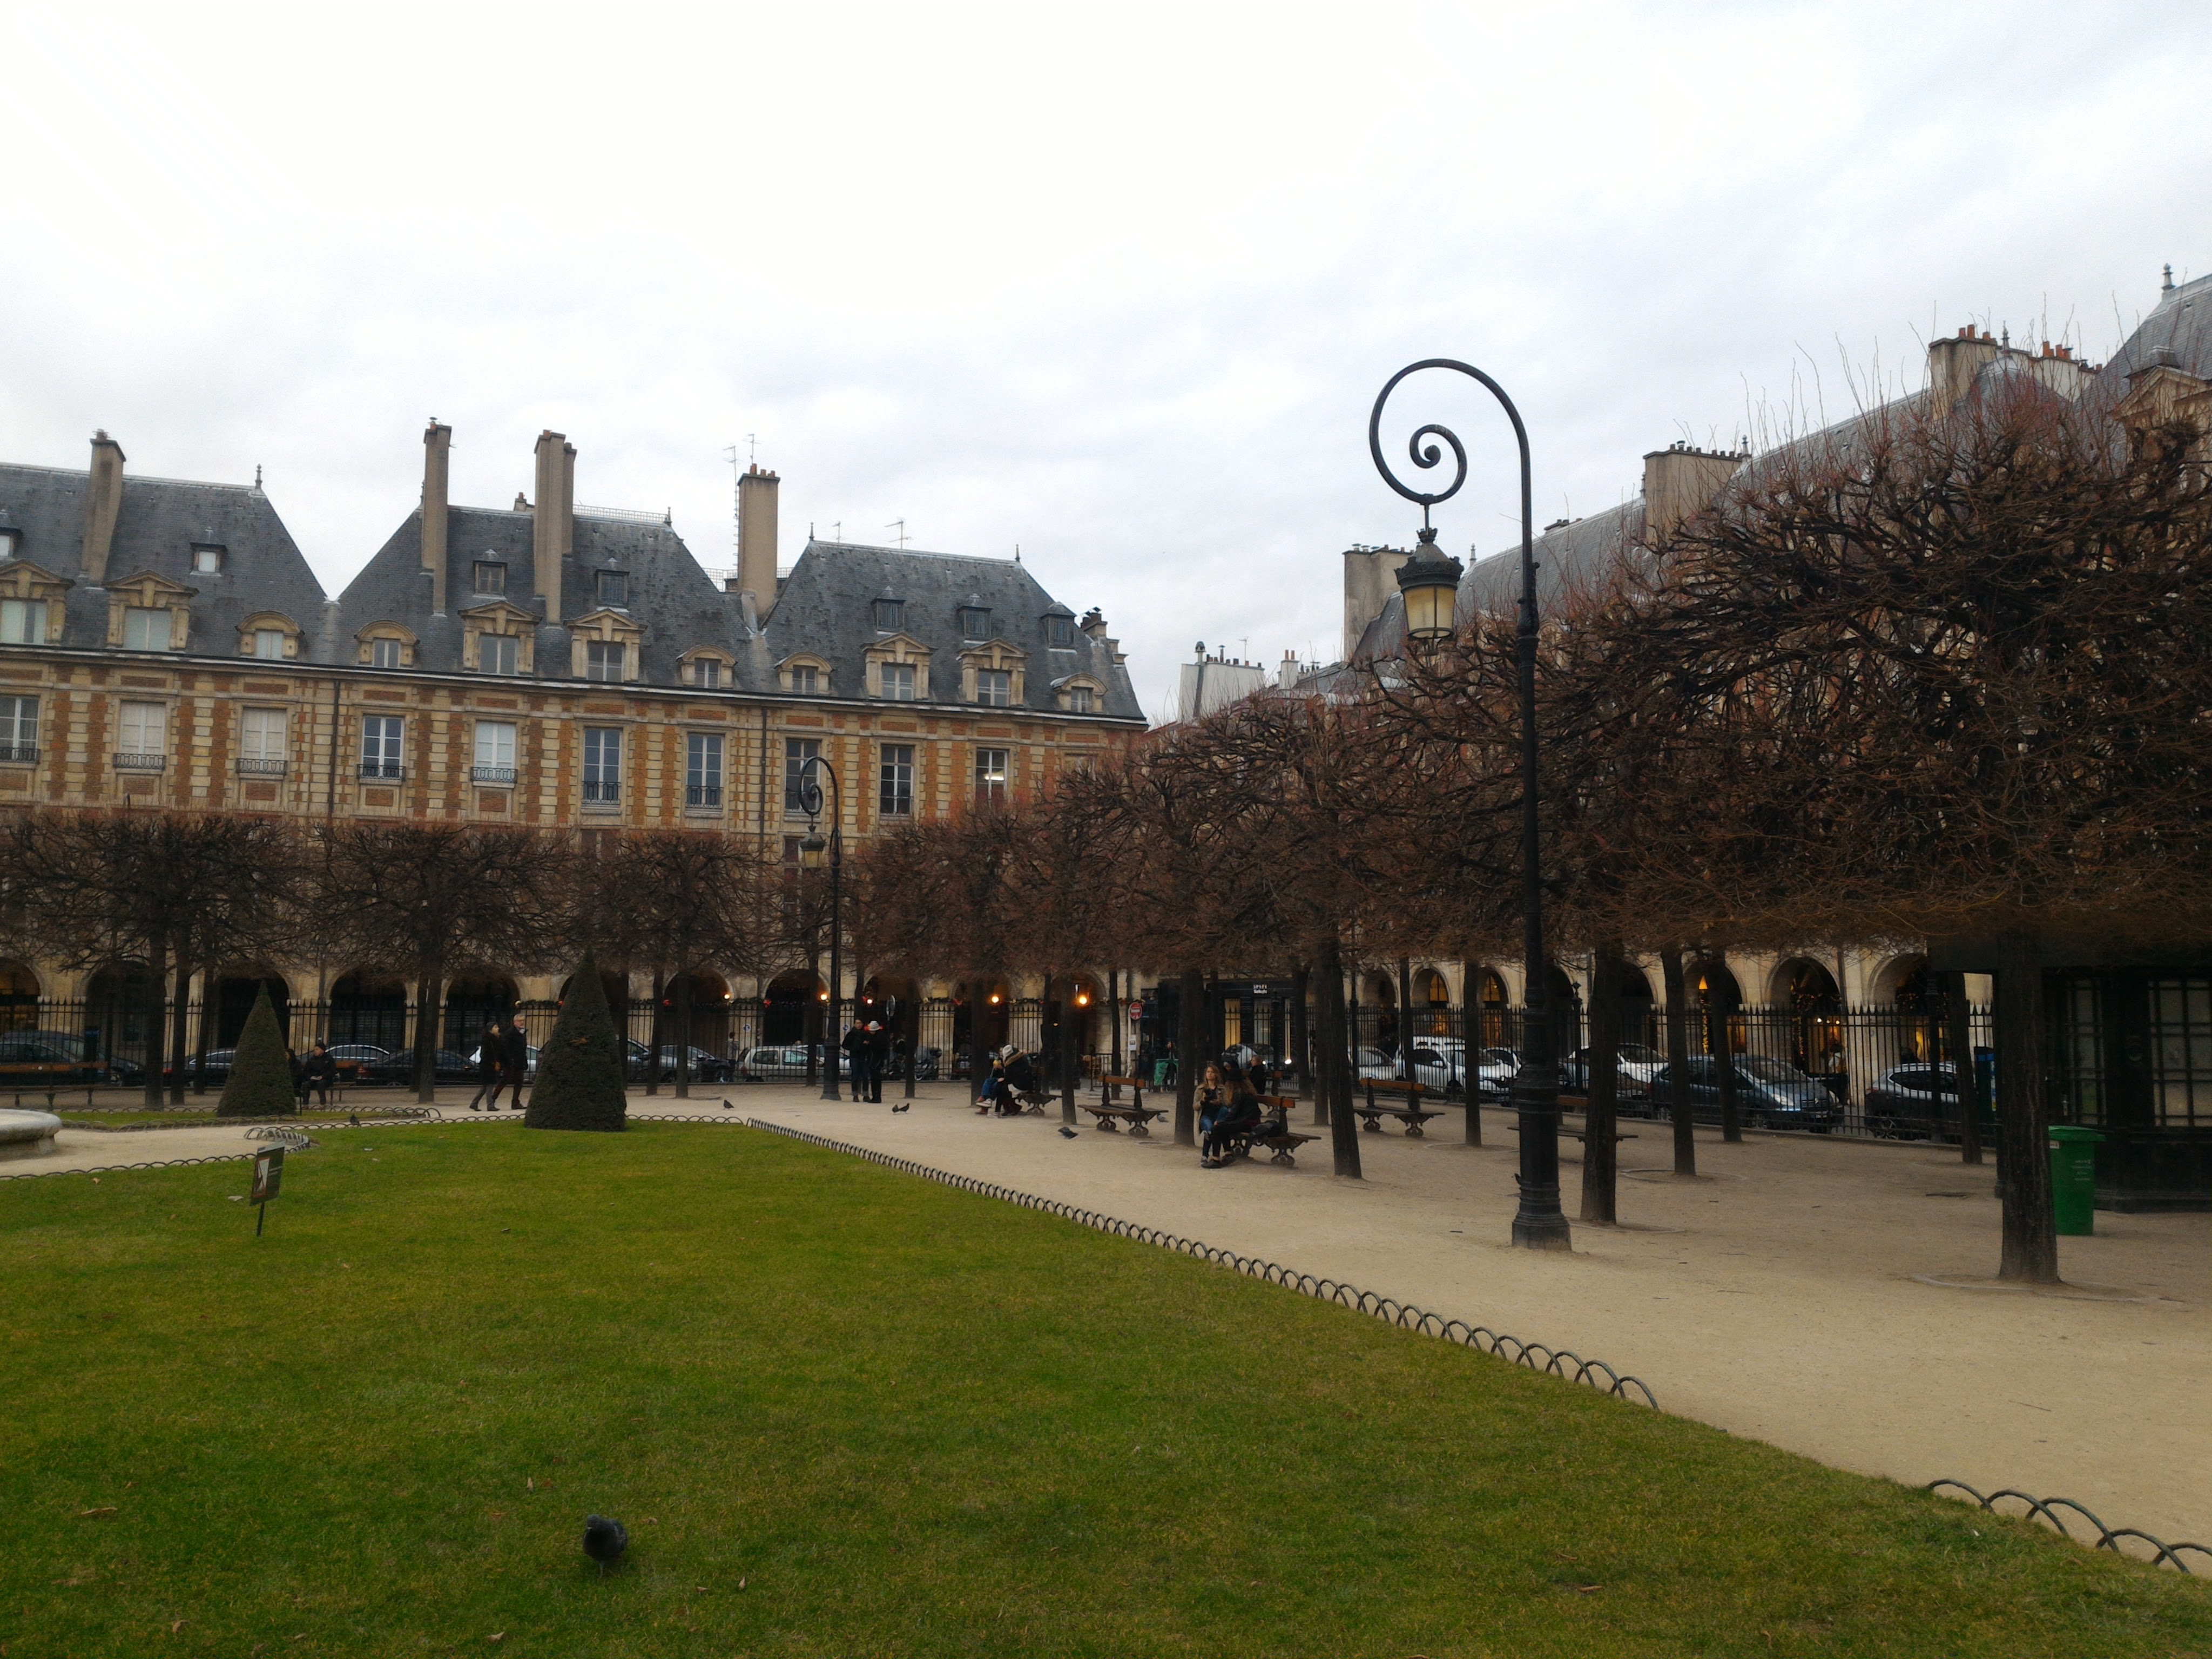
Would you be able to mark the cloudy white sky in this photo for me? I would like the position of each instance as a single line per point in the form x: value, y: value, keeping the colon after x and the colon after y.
x: 1114, y: 284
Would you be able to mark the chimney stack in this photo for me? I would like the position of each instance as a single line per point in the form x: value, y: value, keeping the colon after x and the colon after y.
x: 1680, y: 483
x: 1370, y: 577
x: 1953, y: 363
x: 553, y: 527
x: 756, y: 496
x: 103, y: 503
x: 437, y: 439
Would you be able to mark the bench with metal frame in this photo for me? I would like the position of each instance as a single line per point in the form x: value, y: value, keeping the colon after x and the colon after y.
x: 1110, y: 1115
x: 1411, y: 1114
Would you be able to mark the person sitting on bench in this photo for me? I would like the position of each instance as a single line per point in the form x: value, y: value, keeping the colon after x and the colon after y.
x: 1212, y: 1101
x: 1021, y: 1079
x: 1241, y: 1117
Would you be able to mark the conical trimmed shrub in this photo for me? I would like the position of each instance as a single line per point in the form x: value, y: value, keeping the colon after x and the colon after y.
x: 580, y: 1069
x: 260, y: 1084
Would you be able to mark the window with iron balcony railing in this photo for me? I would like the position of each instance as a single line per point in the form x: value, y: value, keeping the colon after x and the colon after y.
x: 18, y: 754
x: 492, y: 774
x: 140, y: 762
x: 702, y: 794
x: 261, y: 768
x: 383, y: 771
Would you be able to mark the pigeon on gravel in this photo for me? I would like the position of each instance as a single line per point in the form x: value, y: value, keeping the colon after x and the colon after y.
x: 899, y: 1108
x: 1066, y: 1133
x: 726, y: 1106
x: 604, y: 1540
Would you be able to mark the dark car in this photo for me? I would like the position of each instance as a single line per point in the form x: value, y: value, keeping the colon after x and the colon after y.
x: 398, y: 1067
x: 705, y: 1068
x: 1769, y: 1094
x: 358, y: 1061
x: 1919, y: 1101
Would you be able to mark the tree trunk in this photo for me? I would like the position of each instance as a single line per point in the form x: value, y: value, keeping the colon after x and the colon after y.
x: 653, y: 1032
x: 180, y: 1017
x: 810, y: 1032
x: 1677, y: 1062
x: 2031, y: 1237
x: 1068, y: 1058
x: 1405, y: 1018
x: 153, y: 1017
x: 1959, y: 1037
x: 1334, y: 1082
x: 1600, y: 1154
x: 1301, y: 1060
x: 1190, y: 1039
x: 1720, y: 1016
x: 428, y: 988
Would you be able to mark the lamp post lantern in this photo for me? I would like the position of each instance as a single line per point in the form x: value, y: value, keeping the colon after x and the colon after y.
x: 810, y: 850
x: 1538, y: 1224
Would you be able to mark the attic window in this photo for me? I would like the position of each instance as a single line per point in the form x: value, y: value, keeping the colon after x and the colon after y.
x: 889, y: 614
x: 207, y: 560
x: 613, y: 586
x: 490, y: 576
x: 1060, y: 631
x: 8, y: 541
x: 975, y: 623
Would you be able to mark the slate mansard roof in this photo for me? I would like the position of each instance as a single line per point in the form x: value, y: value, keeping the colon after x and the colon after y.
x: 159, y: 524
x: 826, y: 608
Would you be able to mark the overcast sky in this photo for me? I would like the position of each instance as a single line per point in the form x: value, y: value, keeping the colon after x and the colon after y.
x: 1114, y: 284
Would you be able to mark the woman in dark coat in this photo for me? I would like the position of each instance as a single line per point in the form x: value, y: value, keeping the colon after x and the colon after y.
x: 491, y: 1066
x: 1240, y: 1119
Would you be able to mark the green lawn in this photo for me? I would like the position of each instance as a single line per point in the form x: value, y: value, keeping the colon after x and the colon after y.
x: 847, y: 1412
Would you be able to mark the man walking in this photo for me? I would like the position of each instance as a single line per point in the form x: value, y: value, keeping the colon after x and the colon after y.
x: 518, y: 1064
x: 880, y: 1054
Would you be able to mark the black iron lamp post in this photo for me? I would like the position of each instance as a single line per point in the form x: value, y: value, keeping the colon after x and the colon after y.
x: 810, y: 850
x: 1538, y: 1224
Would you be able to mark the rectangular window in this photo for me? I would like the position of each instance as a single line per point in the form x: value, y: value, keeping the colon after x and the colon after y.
x: 894, y: 795
x: 1060, y: 631
x: 806, y: 679
x: 7, y: 540
x: 1078, y: 699
x: 702, y: 769
x: 380, y: 741
x: 613, y: 586
x: 494, y: 761
x: 897, y: 680
x: 994, y: 686
x: 23, y: 622
x: 889, y: 614
x: 975, y: 623
x: 261, y: 742
x: 498, y: 653
x: 707, y: 670
x: 143, y: 735
x: 797, y: 751
x: 207, y: 560
x: 991, y: 774
x: 384, y: 654
x: 491, y: 577
x: 19, y: 729
x: 602, y: 765
x: 603, y: 660
x: 269, y: 644
x: 2181, y: 1051
x: 145, y: 630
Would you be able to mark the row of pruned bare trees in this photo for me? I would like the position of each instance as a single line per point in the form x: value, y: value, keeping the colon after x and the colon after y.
x: 186, y: 893
x: 1928, y: 678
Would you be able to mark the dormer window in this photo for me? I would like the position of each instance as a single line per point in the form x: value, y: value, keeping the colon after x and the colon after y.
x: 603, y: 660
x: 890, y: 615
x: 387, y: 654
x: 806, y: 679
x: 975, y: 623
x: 706, y: 671
x: 613, y: 586
x: 269, y: 644
x: 145, y: 629
x: 1059, y: 632
x: 207, y: 559
x: 490, y: 576
x: 10, y: 540
x: 1079, y: 700
x: 498, y: 653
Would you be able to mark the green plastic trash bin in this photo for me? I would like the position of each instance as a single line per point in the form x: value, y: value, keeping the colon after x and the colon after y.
x: 2074, y: 1178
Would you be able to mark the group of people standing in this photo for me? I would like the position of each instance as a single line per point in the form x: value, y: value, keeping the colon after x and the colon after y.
x: 502, y: 1062
x: 869, y: 1051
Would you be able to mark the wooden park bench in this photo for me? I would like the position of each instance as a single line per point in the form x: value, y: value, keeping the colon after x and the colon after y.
x: 1411, y: 1114
x: 1282, y: 1144
x: 1138, y: 1116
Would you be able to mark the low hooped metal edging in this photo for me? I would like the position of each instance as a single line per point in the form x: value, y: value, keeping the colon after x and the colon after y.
x: 2046, y: 1508
x: 113, y: 1169
x: 1556, y: 1361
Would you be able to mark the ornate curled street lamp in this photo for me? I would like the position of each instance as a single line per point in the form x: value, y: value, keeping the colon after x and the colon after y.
x: 810, y: 848
x: 1538, y: 1224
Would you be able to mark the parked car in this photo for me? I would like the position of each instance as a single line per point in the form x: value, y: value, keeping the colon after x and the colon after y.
x: 398, y: 1067
x: 1636, y: 1065
x: 705, y: 1068
x: 1769, y: 1094
x: 358, y: 1062
x: 1919, y: 1101
x: 41, y: 1059
x: 1494, y: 1071
x: 1373, y: 1062
x: 774, y: 1062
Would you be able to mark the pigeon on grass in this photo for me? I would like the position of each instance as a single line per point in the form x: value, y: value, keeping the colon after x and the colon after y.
x: 604, y: 1540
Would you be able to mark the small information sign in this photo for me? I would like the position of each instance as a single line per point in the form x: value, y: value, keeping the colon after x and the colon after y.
x: 268, y: 1178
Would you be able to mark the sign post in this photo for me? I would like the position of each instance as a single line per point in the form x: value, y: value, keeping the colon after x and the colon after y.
x: 268, y: 1178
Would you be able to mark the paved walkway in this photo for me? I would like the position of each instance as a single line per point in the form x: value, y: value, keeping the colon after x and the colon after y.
x: 1779, y: 1298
